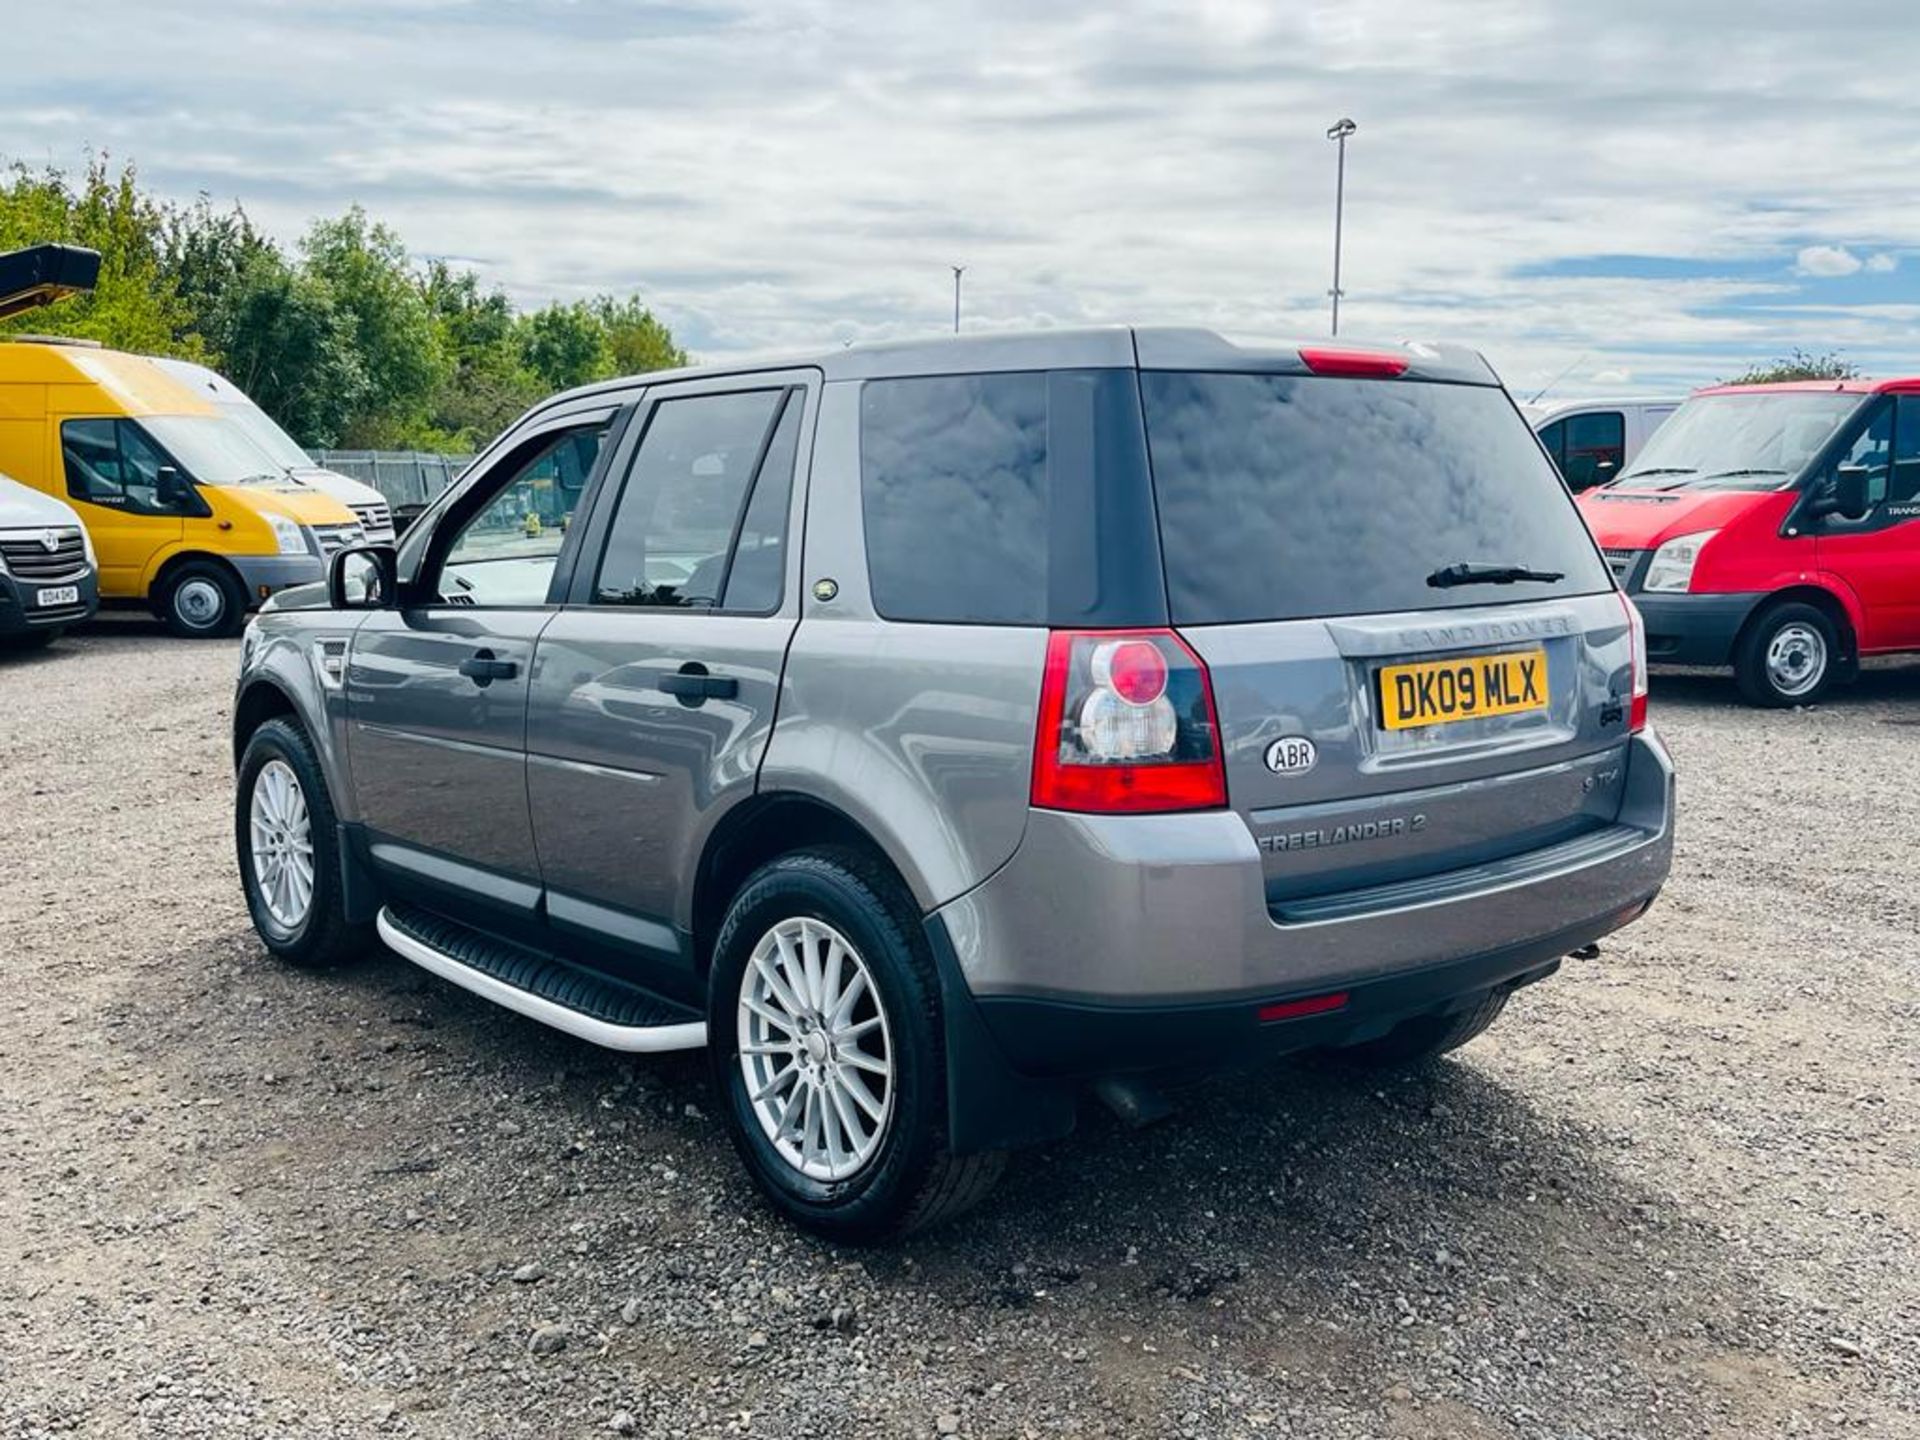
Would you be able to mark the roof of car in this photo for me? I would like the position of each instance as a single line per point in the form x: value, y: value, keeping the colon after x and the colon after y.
x: 1909, y: 385
x: 1109, y: 347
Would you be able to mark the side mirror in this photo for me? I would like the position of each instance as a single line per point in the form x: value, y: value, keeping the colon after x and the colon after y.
x: 365, y: 577
x: 1851, y: 495
x: 172, y: 488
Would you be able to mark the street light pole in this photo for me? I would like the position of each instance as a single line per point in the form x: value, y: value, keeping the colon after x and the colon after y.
x: 1339, y: 131
x: 958, y: 271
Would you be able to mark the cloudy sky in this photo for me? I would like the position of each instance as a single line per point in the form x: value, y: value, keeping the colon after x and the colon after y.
x: 1644, y: 194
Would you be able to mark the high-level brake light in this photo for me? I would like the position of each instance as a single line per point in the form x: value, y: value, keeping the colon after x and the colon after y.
x: 1354, y: 364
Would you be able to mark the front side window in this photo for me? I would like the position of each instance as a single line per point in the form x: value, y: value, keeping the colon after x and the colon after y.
x: 1596, y: 443
x: 1904, y: 488
x: 1872, y: 451
x: 505, y: 554
x: 680, y: 510
x: 1554, y: 439
x: 113, y: 463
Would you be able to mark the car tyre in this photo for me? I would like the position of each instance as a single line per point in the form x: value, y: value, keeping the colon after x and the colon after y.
x: 785, y: 923
x: 203, y: 601
x: 1423, y: 1039
x: 1788, y: 656
x: 288, y: 849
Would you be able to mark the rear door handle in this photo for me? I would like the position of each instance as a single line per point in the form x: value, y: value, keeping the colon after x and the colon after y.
x: 692, y: 685
x: 483, y: 669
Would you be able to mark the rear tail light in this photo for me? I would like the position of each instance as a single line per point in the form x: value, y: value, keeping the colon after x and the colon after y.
x: 1637, y: 705
x: 1126, y: 725
x: 1355, y: 364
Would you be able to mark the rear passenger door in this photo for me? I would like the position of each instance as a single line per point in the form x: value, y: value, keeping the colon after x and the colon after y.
x: 655, y: 686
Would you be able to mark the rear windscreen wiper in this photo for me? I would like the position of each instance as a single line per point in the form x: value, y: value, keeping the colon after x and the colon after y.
x: 1466, y: 574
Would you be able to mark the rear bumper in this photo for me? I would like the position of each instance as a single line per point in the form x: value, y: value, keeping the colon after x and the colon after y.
x: 21, y: 612
x: 1135, y: 943
x: 1694, y: 629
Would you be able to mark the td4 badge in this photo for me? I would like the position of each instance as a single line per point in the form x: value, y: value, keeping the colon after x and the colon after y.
x: 1292, y: 755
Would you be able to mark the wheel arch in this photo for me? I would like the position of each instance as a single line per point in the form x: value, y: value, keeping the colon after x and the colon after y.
x: 1830, y: 603
x: 760, y: 829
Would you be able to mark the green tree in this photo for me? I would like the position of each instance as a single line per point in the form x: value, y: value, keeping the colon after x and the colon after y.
x: 205, y: 254
x: 489, y: 384
x: 286, y: 344
x: 637, y: 340
x: 365, y: 270
x: 1799, y: 365
x: 135, y: 305
x: 566, y: 345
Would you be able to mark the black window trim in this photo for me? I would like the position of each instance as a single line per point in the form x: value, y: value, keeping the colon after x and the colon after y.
x: 583, y: 582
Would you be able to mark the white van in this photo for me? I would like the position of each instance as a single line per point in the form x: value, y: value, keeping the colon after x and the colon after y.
x: 367, y: 503
x: 1593, y: 440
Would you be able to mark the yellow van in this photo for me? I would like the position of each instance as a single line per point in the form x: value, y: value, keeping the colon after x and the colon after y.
x: 184, y: 510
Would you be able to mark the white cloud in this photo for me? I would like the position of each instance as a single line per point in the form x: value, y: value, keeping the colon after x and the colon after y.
x: 1827, y: 261
x: 1615, y: 376
x: 1884, y: 263
x: 782, y: 174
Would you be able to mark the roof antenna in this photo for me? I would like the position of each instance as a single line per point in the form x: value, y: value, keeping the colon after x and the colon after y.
x: 1534, y: 399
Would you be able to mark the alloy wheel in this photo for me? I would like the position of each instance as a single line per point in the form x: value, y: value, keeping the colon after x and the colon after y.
x: 280, y: 841
x: 816, y: 1053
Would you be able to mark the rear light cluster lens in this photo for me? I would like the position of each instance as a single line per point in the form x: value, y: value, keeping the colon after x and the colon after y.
x: 1126, y: 725
x: 1637, y: 705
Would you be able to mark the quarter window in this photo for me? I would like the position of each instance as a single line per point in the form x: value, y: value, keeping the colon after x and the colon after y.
x: 681, y: 510
x: 113, y: 463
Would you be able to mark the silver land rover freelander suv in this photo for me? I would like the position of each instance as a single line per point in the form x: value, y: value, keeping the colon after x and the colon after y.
x: 936, y: 731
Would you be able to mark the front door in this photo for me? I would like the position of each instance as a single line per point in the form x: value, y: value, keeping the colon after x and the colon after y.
x: 655, y: 687
x: 437, y: 690
x: 1878, y: 557
x: 113, y: 480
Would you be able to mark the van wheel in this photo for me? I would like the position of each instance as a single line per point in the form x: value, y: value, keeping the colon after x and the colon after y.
x: 1424, y: 1038
x: 1788, y: 656
x: 202, y: 601
x: 288, y: 845
x: 824, y: 1030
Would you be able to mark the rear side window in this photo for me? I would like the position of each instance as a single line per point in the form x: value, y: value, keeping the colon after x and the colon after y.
x: 1009, y: 499
x: 1287, y: 498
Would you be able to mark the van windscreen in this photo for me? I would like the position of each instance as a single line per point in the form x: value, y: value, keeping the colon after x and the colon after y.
x: 1293, y: 497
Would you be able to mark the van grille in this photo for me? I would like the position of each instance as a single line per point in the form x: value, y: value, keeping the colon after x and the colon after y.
x: 376, y: 519
x: 334, y: 538
x: 28, y: 557
x: 1622, y: 563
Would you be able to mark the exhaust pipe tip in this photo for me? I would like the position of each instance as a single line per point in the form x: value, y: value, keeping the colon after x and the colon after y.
x: 1136, y: 1103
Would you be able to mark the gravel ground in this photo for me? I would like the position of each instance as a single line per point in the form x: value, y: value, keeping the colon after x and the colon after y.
x: 1673, y: 1193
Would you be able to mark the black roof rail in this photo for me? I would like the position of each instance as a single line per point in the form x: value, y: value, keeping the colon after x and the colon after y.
x: 42, y: 274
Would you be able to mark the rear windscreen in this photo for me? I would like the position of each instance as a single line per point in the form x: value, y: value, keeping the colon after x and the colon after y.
x: 1290, y: 497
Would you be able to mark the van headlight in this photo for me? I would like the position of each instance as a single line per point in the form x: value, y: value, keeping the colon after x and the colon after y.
x: 291, y: 534
x: 1672, y: 565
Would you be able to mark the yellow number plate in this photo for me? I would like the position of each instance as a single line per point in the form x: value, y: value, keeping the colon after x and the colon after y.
x: 1468, y: 687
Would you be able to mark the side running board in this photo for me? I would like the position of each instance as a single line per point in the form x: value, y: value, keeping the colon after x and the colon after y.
x: 540, y: 986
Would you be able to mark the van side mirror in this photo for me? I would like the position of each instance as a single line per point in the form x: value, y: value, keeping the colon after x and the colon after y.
x: 172, y: 489
x: 1847, y: 495
x: 365, y: 577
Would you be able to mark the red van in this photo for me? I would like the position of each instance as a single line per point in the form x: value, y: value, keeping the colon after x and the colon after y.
x: 1774, y: 528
